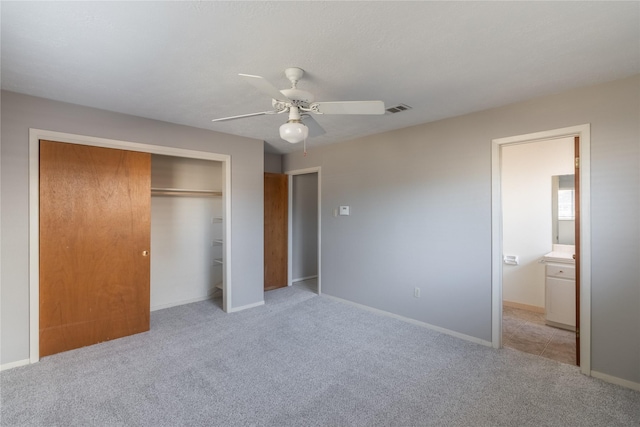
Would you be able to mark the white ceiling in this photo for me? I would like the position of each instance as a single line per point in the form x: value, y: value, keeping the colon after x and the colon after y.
x: 178, y: 61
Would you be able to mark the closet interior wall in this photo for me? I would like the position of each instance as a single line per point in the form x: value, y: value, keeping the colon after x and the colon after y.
x: 186, y: 230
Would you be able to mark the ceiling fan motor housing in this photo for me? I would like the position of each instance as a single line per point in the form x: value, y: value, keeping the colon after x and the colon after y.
x: 298, y: 97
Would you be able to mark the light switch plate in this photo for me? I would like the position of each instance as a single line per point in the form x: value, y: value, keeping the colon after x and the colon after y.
x: 344, y: 210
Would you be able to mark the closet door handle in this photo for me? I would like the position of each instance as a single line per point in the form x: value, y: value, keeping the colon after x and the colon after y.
x: 145, y: 253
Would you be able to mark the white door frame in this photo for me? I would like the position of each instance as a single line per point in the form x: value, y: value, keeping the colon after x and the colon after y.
x: 584, y: 132
x: 35, y: 135
x: 290, y: 237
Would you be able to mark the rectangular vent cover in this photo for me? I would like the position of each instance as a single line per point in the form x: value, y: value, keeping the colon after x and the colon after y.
x: 398, y: 108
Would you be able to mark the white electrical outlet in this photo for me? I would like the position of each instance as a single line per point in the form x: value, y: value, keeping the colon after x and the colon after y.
x: 416, y: 292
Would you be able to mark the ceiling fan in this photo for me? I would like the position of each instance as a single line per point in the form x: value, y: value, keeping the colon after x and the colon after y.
x: 300, y: 105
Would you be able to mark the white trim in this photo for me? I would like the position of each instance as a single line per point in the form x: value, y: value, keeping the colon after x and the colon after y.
x: 302, y: 279
x: 34, y: 246
x: 584, y: 132
x: 245, y: 307
x: 413, y: 321
x: 15, y: 364
x: 183, y: 302
x: 534, y: 308
x: 615, y: 380
x: 227, y: 241
x: 35, y: 135
x: 292, y: 173
x: 290, y: 230
x: 496, y: 246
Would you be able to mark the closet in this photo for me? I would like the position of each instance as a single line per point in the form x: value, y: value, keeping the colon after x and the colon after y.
x: 186, y: 230
x: 123, y: 233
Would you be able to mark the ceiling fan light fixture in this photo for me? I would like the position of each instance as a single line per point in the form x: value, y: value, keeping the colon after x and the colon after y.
x: 294, y: 131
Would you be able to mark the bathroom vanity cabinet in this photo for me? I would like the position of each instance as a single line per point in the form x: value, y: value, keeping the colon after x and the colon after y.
x: 560, y: 284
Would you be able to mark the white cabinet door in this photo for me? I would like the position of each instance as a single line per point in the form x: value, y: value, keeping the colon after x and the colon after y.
x: 561, y: 301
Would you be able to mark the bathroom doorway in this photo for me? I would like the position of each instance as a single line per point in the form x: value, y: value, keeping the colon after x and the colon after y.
x: 528, y: 262
x: 529, y: 172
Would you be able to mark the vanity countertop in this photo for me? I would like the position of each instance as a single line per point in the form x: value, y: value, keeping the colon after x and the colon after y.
x: 560, y: 256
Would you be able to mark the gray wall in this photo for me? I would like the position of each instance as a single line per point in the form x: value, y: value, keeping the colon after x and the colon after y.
x: 304, y: 224
x: 20, y: 112
x: 421, y: 216
x: 272, y: 163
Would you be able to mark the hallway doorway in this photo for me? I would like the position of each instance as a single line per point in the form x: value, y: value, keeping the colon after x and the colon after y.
x: 304, y: 227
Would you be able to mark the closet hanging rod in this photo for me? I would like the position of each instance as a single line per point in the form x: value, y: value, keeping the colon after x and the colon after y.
x: 184, y: 192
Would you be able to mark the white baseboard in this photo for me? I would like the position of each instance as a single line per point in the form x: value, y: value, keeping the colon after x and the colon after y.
x: 527, y: 307
x: 300, y: 279
x: 415, y: 322
x: 15, y: 364
x: 176, y: 303
x: 245, y: 307
x: 615, y: 380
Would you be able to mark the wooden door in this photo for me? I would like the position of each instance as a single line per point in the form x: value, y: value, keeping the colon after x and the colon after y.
x: 95, y: 223
x: 577, y: 241
x: 276, y: 226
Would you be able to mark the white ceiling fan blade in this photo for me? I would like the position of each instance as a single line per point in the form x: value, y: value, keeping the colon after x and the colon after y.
x: 246, y: 115
x: 348, y: 107
x: 264, y: 86
x: 314, y: 128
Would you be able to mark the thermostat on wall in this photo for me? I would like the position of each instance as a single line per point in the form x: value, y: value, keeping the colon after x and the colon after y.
x: 344, y: 210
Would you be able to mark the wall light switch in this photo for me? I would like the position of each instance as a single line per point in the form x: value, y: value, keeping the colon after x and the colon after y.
x: 344, y: 210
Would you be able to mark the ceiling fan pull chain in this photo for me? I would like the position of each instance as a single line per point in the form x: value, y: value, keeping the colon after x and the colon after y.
x: 304, y: 144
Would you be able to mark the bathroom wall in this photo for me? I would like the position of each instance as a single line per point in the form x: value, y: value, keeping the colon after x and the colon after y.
x: 526, y: 193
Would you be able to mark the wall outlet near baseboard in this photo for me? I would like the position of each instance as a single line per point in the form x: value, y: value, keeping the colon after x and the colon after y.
x: 416, y: 292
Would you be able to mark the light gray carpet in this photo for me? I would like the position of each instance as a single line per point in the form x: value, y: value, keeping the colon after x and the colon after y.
x: 303, y: 360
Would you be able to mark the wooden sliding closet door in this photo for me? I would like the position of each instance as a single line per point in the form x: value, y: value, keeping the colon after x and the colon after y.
x: 95, y: 225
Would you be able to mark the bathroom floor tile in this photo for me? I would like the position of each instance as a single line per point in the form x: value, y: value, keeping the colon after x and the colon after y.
x: 561, y: 352
x: 526, y: 331
x: 526, y: 343
x: 510, y: 326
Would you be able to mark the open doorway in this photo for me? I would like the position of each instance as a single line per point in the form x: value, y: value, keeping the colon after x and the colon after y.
x: 304, y: 229
x: 583, y: 242
x: 538, y: 282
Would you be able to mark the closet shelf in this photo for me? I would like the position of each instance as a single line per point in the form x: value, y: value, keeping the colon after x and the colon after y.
x: 155, y: 191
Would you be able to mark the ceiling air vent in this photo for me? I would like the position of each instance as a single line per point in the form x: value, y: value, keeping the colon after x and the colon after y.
x: 398, y: 108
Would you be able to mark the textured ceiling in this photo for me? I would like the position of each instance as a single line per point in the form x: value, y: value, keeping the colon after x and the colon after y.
x: 178, y: 61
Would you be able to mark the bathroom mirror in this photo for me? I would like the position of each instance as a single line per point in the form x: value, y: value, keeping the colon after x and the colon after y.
x: 563, y: 209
